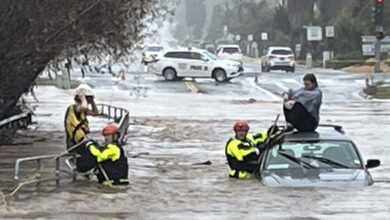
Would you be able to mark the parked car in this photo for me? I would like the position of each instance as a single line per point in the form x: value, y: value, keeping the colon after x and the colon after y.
x: 326, y: 157
x: 278, y: 58
x: 177, y: 64
x: 208, y: 46
x: 153, y: 50
x: 229, y: 52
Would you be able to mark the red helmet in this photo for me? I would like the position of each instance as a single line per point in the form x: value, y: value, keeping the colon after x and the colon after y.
x: 110, y: 129
x: 241, y: 126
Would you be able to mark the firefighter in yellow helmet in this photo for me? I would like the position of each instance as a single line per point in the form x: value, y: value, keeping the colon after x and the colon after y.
x: 242, y: 151
x: 112, y: 166
x: 76, y: 122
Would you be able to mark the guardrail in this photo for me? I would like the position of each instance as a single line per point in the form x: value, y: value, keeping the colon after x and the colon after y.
x: 120, y: 115
x: 16, y: 121
x: 38, y: 178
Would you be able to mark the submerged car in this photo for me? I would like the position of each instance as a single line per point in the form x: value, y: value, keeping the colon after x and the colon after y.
x: 177, y: 64
x: 326, y: 157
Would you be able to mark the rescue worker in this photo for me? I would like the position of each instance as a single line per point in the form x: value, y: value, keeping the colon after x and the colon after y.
x: 243, y: 151
x: 112, y: 168
x: 77, y: 126
x: 146, y: 60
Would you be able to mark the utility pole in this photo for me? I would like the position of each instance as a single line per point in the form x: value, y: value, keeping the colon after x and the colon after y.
x: 378, y: 32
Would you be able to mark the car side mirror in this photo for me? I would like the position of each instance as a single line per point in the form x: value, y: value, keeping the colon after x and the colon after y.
x: 373, y: 163
x: 206, y: 60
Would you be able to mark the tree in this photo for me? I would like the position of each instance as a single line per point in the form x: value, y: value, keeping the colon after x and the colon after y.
x: 196, y: 16
x: 216, y: 28
x: 282, y: 22
x: 34, y: 32
x: 300, y: 13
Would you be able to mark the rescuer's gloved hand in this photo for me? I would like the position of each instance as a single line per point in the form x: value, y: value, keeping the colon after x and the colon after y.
x: 91, y: 143
x: 261, y: 146
x: 273, y: 129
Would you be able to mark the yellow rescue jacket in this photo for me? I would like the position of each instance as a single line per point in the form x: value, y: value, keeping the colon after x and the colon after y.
x: 76, y: 126
x: 242, y: 156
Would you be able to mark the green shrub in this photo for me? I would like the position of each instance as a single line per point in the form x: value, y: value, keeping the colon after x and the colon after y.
x: 339, y: 64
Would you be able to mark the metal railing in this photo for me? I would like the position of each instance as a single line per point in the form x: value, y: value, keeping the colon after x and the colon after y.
x: 16, y: 121
x: 37, y: 178
x: 120, y: 115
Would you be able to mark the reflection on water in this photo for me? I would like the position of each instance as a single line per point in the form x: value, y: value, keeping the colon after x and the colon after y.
x: 165, y: 183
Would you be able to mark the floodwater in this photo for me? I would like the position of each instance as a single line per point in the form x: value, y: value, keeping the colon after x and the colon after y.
x: 166, y: 142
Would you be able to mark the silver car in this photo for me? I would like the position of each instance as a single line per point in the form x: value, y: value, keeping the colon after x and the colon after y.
x: 323, y: 158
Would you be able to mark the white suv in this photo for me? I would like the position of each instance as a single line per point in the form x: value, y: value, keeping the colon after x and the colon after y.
x: 229, y: 52
x: 177, y: 64
x: 154, y: 50
x: 278, y: 58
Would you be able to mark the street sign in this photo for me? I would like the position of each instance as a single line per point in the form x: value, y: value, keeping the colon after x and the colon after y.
x: 298, y: 48
x: 368, y: 45
x: 329, y: 31
x: 250, y: 37
x: 264, y: 36
x: 314, y: 33
x: 368, y: 49
x: 230, y: 36
x: 225, y: 30
x: 238, y: 37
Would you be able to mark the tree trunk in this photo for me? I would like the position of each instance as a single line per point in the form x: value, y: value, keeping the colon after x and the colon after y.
x: 300, y: 14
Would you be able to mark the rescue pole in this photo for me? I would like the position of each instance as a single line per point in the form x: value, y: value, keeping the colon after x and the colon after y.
x: 267, y: 142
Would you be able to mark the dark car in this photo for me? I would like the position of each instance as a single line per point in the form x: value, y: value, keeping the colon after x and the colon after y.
x: 326, y: 157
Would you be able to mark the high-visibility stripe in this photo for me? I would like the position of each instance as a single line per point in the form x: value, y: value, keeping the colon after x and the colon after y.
x: 111, y: 152
x: 240, y: 174
x: 234, y: 150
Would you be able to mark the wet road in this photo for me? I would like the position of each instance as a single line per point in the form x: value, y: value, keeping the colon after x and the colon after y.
x: 178, y: 126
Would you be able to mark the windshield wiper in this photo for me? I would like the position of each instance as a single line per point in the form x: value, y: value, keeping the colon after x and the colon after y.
x: 326, y: 161
x: 296, y: 160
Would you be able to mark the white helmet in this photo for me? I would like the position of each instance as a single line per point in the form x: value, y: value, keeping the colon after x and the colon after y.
x: 84, y: 89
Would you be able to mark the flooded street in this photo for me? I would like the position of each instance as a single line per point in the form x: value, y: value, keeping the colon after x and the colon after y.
x: 174, y: 132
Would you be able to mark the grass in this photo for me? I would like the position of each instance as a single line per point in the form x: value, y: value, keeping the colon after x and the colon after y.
x: 48, y: 82
x: 382, y: 92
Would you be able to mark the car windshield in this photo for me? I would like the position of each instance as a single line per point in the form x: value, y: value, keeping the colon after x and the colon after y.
x: 155, y: 49
x: 320, y: 155
x: 210, y: 55
x: 281, y: 52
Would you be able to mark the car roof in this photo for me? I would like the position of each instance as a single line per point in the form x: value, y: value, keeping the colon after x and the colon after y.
x: 177, y: 50
x: 185, y: 50
x: 228, y: 45
x: 154, y: 45
x: 279, y: 48
x: 323, y: 132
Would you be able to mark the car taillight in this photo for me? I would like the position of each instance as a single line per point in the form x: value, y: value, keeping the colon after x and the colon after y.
x: 291, y: 57
x: 272, y: 57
